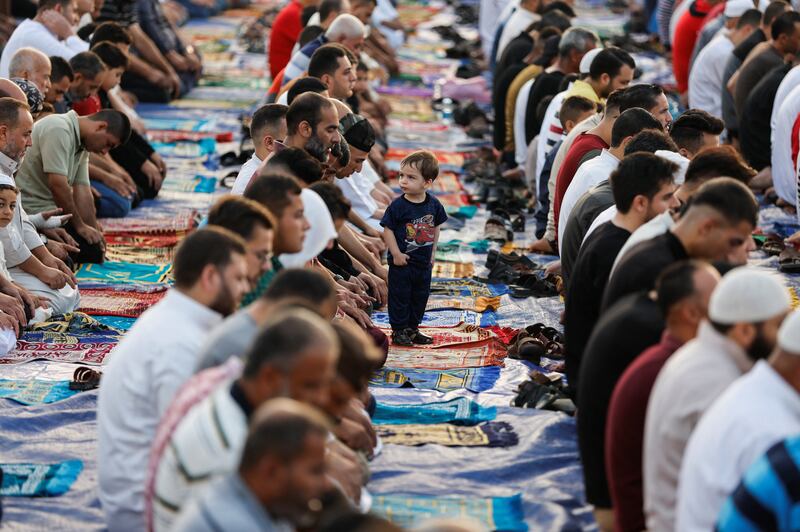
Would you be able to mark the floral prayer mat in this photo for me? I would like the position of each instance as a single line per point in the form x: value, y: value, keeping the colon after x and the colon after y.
x: 89, y: 353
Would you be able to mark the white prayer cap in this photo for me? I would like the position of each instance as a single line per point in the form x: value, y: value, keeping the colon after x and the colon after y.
x: 748, y: 295
x: 789, y: 333
x: 680, y: 160
x: 588, y: 57
x: 735, y: 8
x: 7, y: 180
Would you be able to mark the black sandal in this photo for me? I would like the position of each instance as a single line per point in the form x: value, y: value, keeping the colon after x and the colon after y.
x: 85, y: 379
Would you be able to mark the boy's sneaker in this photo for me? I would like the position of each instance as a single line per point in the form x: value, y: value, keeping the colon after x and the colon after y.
x: 419, y: 338
x: 402, y: 337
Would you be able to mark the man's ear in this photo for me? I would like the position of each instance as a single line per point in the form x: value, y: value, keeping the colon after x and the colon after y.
x: 100, y: 126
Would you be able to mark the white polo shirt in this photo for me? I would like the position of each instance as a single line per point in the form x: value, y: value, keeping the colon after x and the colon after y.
x: 705, y: 77
x: 783, y: 167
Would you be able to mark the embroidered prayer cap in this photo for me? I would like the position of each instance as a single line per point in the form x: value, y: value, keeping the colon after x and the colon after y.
x: 588, y: 57
x: 680, y: 160
x: 735, y: 8
x: 7, y: 180
x: 789, y: 333
x: 32, y: 94
x: 748, y: 295
x: 358, y: 132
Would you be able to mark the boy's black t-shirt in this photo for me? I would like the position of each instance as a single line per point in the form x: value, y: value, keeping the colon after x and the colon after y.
x: 413, y: 225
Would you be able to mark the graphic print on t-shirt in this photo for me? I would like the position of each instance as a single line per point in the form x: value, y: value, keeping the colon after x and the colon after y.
x: 420, y: 233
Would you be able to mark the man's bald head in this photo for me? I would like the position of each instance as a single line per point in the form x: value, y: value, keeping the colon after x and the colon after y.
x: 9, y: 89
x: 33, y: 65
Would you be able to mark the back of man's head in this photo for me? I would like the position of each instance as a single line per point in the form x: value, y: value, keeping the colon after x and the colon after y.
x: 676, y: 283
x: 296, y: 162
x: 784, y: 24
x: 651, y: 141
x: 60, y: 69
x: 87, y: 64
x: 325, y: 60
x: 306, y: 108
x: 345, y: 26
x: 610, y: 61
x: 304, y: 85
x: 240, y: 215
x: 573, y: 108
x: 44, y: 5
x: 287, y: 336
x: 280, y: 430
x: 639, y: 174
x: 358, y: 356
x: 688, y: 129
x: 300, y: 284
x: 273, y: 191
x: 751, y: 17
x: 117, y: 124
x: 722, y: 161
x: 631, y: 122
x: 209, y: 246
x: 644, y: 95
x: 9, y: 111
x: 576, y: 40
x: 773, y: 11
x: 729, y: 198
x: 267, y: 120
x: 110, y: 32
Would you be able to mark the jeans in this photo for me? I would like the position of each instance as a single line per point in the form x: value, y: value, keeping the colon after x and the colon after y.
x: 409, y: 288
x: 111, y: 204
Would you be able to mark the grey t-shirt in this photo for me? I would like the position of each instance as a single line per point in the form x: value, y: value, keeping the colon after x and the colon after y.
x: 232, y: 337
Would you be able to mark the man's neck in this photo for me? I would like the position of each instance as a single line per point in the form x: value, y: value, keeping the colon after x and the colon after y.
x: 295, y: 141
x: 628, y: 221
x: 7, y: 165
x: 260, y: 311
x: 262, y: 153
x: 618, y: 152
x: 680, y: 330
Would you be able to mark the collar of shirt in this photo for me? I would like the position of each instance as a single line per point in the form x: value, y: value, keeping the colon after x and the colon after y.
x: 714, y: 341
x: 581, y: 88
x: 7, y: 165
x: 183, y: 305
x: 608, y: 158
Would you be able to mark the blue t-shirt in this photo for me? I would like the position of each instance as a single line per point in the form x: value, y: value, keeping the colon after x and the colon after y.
x: 413, y: 225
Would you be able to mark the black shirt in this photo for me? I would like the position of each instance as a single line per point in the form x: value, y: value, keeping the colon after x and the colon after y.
x: 751, y: 74
x: 546, y: 84
x: 754, y: 126
x: 585, y: 291
x: 586, y: 209
x: 623, y: 332
x: 123, y: 12
x: 499, y: 99
x: 515, y: 52
x: 736, y: 59
x: 638, y: 270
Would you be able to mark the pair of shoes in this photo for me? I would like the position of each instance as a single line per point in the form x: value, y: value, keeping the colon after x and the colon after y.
x: 410, y: 337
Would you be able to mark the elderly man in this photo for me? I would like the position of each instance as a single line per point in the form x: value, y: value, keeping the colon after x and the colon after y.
x: 33, y: 65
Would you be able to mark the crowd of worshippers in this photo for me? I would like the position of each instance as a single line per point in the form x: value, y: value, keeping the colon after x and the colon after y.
x: 683, y: 362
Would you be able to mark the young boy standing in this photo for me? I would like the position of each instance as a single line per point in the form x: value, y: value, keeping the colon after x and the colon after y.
x: 411, y: 232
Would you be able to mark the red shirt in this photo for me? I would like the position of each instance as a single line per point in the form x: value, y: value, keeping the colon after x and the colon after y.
x: 585, y: 143
x: 275, y: 89
x: 285, y: 30
x: 87, y: 106
x: 686, y: 31
x: 625, y: 433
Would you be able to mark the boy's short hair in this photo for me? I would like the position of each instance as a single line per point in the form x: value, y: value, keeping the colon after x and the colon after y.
x: 425, y: 162
x: 60, y: 69
x: 9, y: 187
x: 111, y: 32
x: 574, y: 107
x: 110, y: 55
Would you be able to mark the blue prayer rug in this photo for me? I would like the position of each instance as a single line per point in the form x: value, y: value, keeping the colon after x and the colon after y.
x: 124, y: 272
x: 117, y: 322
x: 39, y: 480
x: 472, y: 379
x: 35, y: 392
x: 459, y: 411
x: 407, y: 511
x: 489, y: 434
x: 444, y: 318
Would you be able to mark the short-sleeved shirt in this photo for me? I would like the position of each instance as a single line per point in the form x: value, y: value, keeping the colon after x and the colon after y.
x: 56, y: 149
x: 414, y: 227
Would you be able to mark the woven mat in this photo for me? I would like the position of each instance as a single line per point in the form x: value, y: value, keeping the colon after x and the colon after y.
x: 476, y: 304
x: 462, y: 336
x: 453, y: 270
x: 110, y: 302
x: 446, y: 357
x: 180, y: 223
x: 472, y: 379
x: 140, y: 255
x: 124, y: 272
x: 82, y: 353
x: 491, y: 434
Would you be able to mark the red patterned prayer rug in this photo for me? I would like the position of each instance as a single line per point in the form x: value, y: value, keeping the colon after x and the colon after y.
x: 111, y: 302
x: 446, y: 357
x: 83, y: 353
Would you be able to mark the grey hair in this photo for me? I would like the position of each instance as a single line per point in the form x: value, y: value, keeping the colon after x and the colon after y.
x: 345, y: 26
x: 577, y: 39
x: 25, y: 59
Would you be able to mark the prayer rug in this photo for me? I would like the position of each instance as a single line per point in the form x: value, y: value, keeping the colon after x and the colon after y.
x: 112, y: 302
x: 461, y: 336
x: 442, y: 318
x: 125, y: 272
x: 452, y: 270
x: 139, y: 255
x: 142, y: 241
x: 504, y: 334
x: 192, y: 150
x: 116, y: 322
x: 177, y: 223
x: 78, y: 323
x: 203, y: 184
x: 446, y: 358
x: 489, y: 434
x: 78, y: 353
x: 475, y: 304
x: 459, y: 411
x: 174, y: 136
x: 35, y: 391
x: 39, y: 480
x: 408, y: 511
x: 472, y: 379
x: 466, y: 287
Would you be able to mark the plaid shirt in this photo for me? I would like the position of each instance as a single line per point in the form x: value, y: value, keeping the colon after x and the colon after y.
x: 157, y: 27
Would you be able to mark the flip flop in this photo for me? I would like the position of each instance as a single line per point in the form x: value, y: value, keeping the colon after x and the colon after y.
x: 85, y: 379
x: 531, y: 285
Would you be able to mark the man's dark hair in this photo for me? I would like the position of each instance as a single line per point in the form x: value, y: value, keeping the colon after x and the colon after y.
x: 640, y: 174
x: 210, y: 245
x: 573, y: 108
x: 273, y: 191
x: 117, y: 123
x: 110, y: 32
x: 304, y: 85
x: 559, y: 5
x: 614, y: 100
x: 60, y: 69
x: 676, y: 283
x: 296, y: 162
x: 555, y: 18
x: 306, y: 14
x: 644, y: 95
x: 326, y: 60
x: 784, y: 24
x: 9, y: 111
x: 110, y: 55
x: 630, y: 123
x: 610, y: 61
x: 774, y: 10
x: 308, y: 34
x: 358, y: 356
x: 240, y: 215
x: 306, y: 108
x: 332, y: 195
x: 300, y: 283
x: 326, y: 7
x: 688, y: 129
x: 44, y: 5
x: 730, y: 198
x: 267, y: 117
x: 87, y: 64
x: 650, y: 140
x: 722, y: 161
x: 751, y: 17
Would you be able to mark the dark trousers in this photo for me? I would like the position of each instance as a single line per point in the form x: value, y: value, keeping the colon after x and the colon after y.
x: 89, y: 253
x: 409, y: 288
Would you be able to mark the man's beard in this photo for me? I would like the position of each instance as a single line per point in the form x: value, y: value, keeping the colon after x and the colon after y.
x: 760, y: 348
x: 224, y: 303
x: 14, y: 152
x: 317, y: 149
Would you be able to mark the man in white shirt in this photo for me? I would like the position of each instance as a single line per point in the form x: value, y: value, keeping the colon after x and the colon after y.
x: 745, y: 312
x: 783, y: 167
x: 705, y: 77
x: 755, y: 412
x: 156, y: 357
x: 789, y: 82
x: 267, y: 126
x: 488, y: 19
x: 592, y: 172
x: 49, y: 32
x: 524, y: 16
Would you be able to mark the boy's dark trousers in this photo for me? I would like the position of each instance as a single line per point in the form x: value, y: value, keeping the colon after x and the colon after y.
x: 409, y: 288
